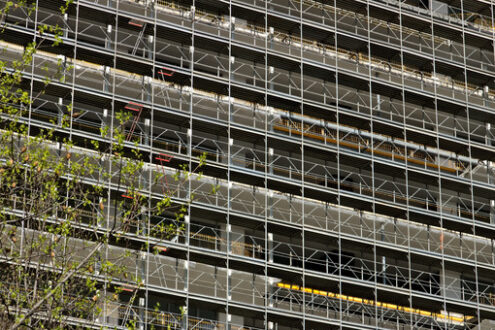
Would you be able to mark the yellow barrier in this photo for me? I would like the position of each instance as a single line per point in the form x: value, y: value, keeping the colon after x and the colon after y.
x: 440, y: 316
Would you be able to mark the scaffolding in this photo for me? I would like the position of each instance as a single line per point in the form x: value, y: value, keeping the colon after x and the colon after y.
x: 351, y: 150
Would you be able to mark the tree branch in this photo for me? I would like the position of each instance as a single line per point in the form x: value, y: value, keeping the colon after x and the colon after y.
x: 52, y: 292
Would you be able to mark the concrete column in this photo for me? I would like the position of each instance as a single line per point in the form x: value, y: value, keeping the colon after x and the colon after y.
x: 147, y: 131
x: 270, y: 247
x: 106, y: 79
x: 492, y: 211
x: 149, y: 52
x: 147, y: 89
x: 141, y: 312
x: 108, y: 40
x: 488, y: 134
x: 60, y: 111
x: 224, y: 231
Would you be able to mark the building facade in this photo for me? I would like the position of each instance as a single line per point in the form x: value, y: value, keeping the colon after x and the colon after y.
x: 349, y: 144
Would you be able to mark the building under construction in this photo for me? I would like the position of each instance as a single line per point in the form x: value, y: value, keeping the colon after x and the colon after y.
x: 350, y: 144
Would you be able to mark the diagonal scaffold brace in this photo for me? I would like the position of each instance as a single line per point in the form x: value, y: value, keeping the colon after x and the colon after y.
x: 138, y: 109
x: 164, y: 159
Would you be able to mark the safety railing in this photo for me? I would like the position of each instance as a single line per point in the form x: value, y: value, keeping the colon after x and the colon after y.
x: 128, y: 41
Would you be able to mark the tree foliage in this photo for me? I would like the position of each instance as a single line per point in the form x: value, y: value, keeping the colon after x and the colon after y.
x: 68, y: 212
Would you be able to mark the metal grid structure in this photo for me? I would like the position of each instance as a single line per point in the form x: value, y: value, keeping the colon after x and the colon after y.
x: 350, y: 141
